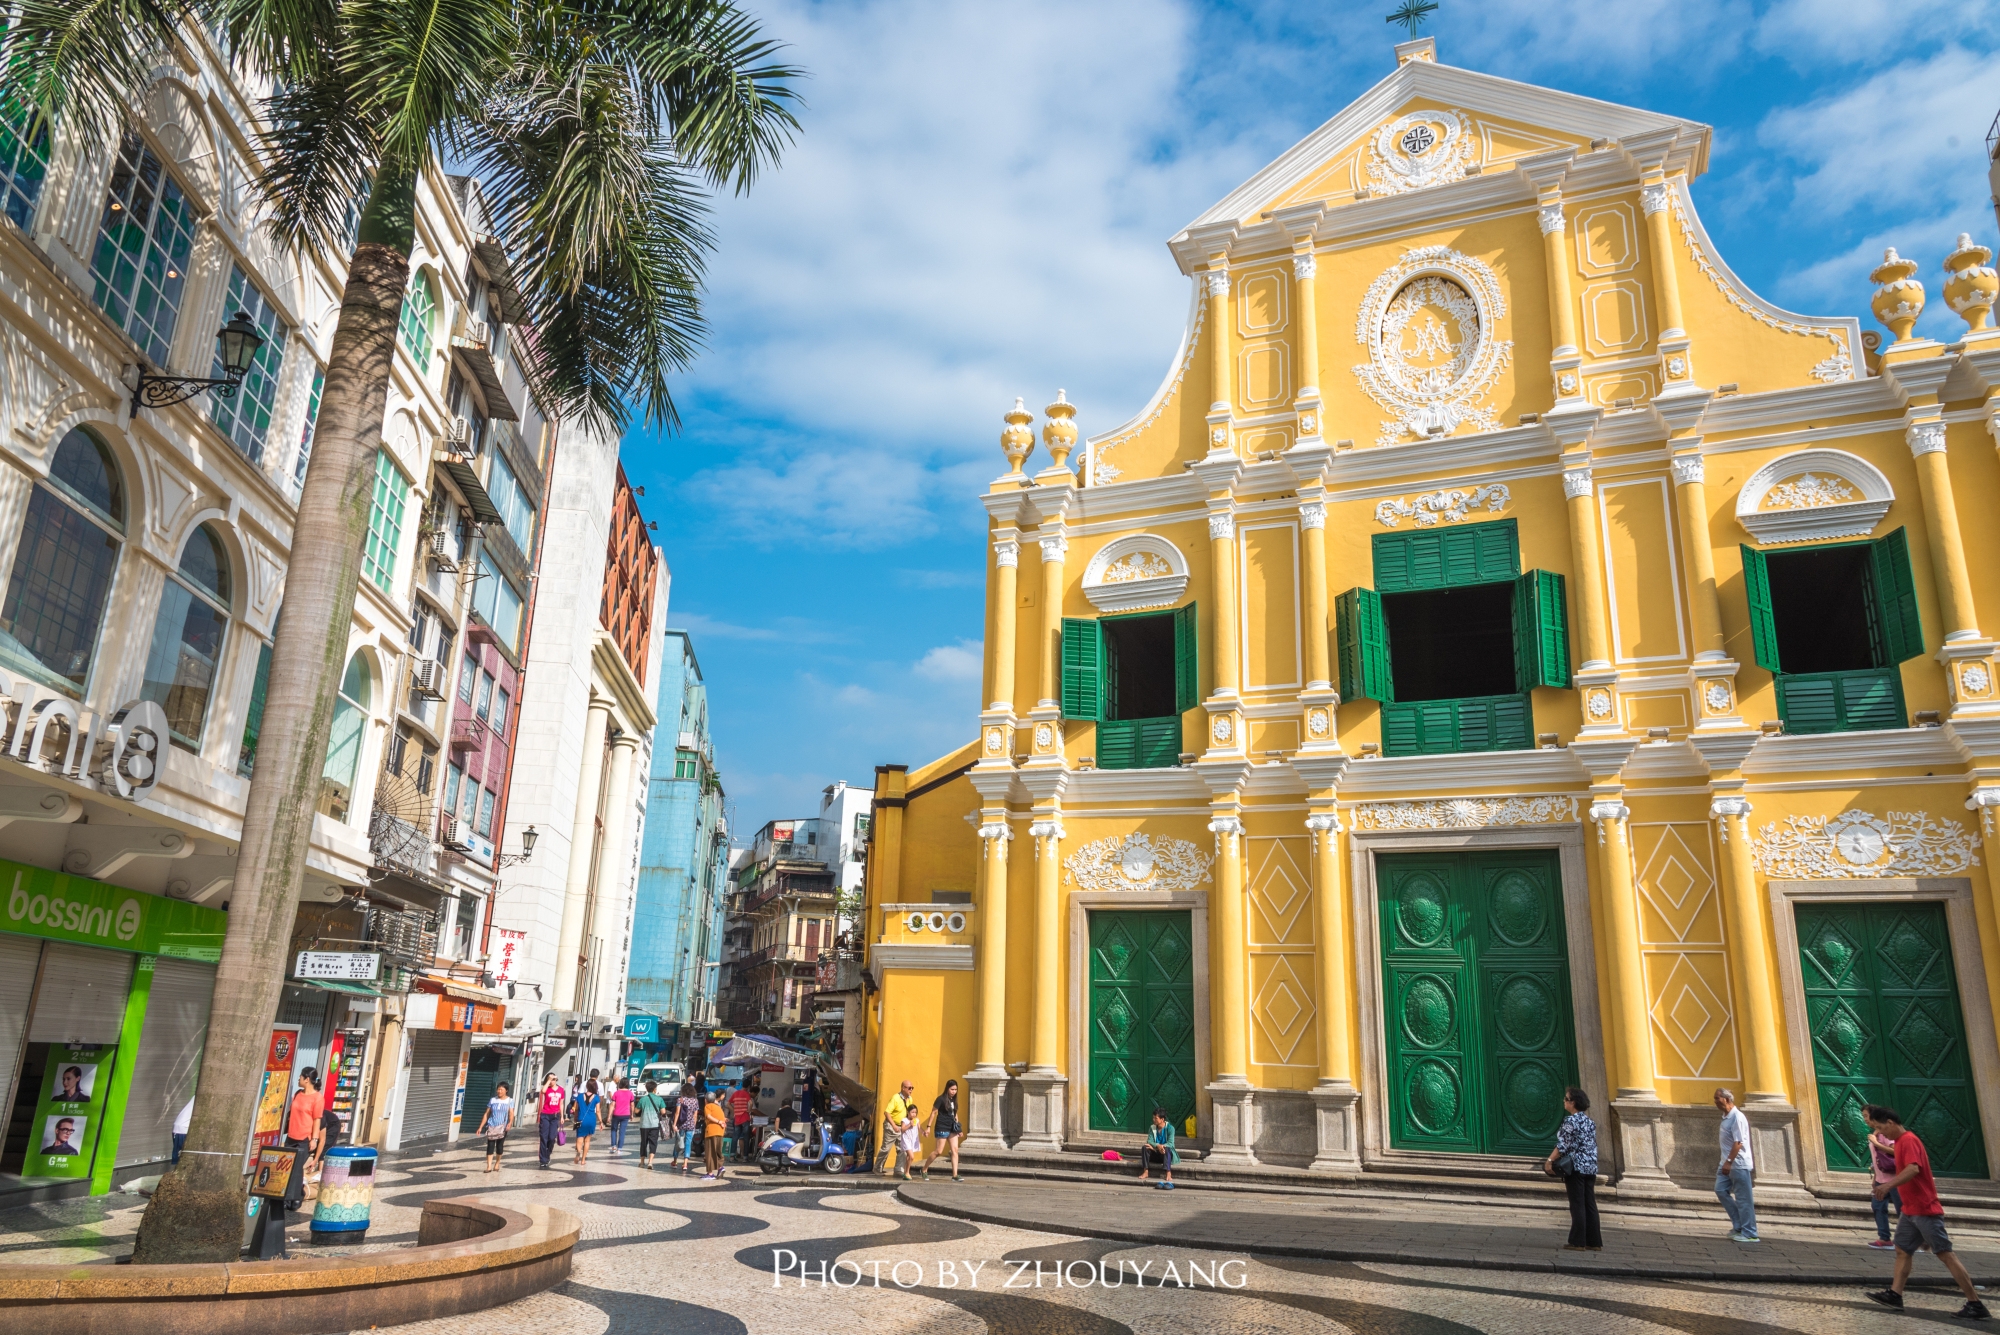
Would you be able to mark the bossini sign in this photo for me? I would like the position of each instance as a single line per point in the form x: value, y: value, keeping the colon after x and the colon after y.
x: 123, y: 755
x: 54, y: 904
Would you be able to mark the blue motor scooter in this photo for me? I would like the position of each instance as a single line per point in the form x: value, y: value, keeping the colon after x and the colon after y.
x: 816, y: 1149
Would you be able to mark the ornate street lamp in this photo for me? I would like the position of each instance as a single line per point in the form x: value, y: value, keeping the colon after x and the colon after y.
x: 528, y: 837
x: 237, y: 342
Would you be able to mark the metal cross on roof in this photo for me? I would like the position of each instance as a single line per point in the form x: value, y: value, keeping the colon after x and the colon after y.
x: 1412, y: 13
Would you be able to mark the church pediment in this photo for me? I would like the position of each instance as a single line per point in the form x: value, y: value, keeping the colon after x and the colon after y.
x: 1428, y: 126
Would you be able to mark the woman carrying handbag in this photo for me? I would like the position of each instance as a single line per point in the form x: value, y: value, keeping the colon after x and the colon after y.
x: 1574, y: 1160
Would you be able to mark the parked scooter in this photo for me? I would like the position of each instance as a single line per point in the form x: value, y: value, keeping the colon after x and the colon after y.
x: 816, y: 1149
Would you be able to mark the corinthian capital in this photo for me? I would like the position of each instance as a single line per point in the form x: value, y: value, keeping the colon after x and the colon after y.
x: 1313, y: 514
x: 1550, y: 216
x: 1221, y: 526
x: 1304, y: 266
x: 1055, y: 547
x: 1218, y: 282
x: 1007, y: 552
x: 1576, y: 482
x: 1925, y: 438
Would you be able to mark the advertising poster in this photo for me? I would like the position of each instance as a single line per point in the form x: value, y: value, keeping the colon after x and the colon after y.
x: 275, y: 1087
x: 70, y: 1111
x: 272, y: 1173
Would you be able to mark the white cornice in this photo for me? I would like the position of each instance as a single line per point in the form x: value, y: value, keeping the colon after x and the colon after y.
x: 956, y: 958
x: 1789, y: 407
x: 1796, y: 754
x: 1092, y: 786
x: 1548, y: 108
x: 1544, y: 770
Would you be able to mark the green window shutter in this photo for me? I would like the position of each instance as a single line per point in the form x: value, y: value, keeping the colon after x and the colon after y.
x: 1896, y: 596
x: 1082, y: 669
x: 1541, y: 631
x: 1118, y: 744
x: 1187, y: 662
x: 1810, y: 703
x: 1157, y: 742
x: 1446, y: 558
x: 1763, y: 625
x: 1871, y: 699
x: 1364, y: 646
x: 1513, y: 722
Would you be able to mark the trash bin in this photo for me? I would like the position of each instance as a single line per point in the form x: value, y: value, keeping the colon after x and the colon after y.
x: 346, y: 1193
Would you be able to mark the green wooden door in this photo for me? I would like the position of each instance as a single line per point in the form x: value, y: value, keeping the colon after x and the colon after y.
x: 1141, y: 1018
x: 1476, y: 1000
x: 1882, y: 1008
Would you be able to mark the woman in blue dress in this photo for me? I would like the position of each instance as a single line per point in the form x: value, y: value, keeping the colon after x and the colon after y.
x: 587, y: 1101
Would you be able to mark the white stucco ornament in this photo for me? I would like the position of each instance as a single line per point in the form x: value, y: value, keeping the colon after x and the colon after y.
x: 1316, y: 722
x: 1429, y: 325
x: 1223, y: 729
x: 1136, y: 571
x: 1716, y: 696
x: 1137, y: 862
x: 1599, y: 704
x: 1450, y: 505
x: 1459, y: 813
x: 1423, y: 148
x: 1044, y: 736
x: 1975, y: 679
x: 1861, y: 843
x: 1813, y: 496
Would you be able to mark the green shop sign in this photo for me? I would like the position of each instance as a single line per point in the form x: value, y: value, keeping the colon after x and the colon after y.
x: 61, y: 907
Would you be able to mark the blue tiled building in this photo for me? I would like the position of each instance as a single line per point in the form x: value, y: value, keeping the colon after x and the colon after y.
x: 677, y: 927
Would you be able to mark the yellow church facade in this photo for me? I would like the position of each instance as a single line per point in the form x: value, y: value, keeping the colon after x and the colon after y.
x: 1505, y: 653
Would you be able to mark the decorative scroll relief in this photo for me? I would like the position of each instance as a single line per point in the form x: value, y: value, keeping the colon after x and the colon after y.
x: 1428, y: 324
x: 1836, y: 366
x: 1808, y: 491
x: 1137, y: 862
x: 1139, y: 570
x: 1449, y: 506
x: 1460, y: 813
x: 1812, y: 496
x: 1424, y: 148
x: 1860, y: 843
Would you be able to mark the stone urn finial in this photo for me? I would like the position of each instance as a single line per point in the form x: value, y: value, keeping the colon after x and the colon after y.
x: 1018, y: 440
x: 1059, y: 432
x: 1971, y: 284
x: 1899, y: 298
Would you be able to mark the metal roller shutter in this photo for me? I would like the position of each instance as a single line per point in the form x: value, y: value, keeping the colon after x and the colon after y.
x: 18, y: 957
x: 433, y: 1077
x: 169, y: 1058
x: 82, y: 995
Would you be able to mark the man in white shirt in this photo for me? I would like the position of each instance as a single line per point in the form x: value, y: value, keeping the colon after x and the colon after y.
x: 181, y: 1127
x: 1732, y: 1174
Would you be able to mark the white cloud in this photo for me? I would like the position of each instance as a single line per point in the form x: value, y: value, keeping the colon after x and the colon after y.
x: 975, y: 210
x: 1901, y: 139
x: 964, y: 661
x: 1808, y: 32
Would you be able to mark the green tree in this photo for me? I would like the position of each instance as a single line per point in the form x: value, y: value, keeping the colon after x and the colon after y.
x: 597, y: 129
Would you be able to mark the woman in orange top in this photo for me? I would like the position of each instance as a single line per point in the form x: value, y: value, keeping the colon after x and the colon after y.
x: 301, y: 1121
x: 715, y: 1125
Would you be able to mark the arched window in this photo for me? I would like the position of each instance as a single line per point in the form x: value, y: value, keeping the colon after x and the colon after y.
x: 343, y: 750
x: 55, y: 599
x: 418, y: 322
x: 188, y: 636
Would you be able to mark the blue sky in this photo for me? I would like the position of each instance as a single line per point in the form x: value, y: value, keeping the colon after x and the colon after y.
x: 978, y: 208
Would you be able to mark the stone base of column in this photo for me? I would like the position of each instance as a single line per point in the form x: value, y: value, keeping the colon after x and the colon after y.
x: 1337, y: 1128
x: 986, y: 1093
x: 1229, y: 1104
x: 1644, y: 1128
x: 1044, y: 1096
x: 1774, y: 1148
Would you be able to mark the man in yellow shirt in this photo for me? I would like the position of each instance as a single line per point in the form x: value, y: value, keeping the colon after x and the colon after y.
x: 896, y: 1114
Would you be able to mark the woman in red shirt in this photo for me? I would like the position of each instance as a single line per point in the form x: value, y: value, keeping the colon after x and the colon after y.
x: 550, y: 1107
x: 301, y: 1122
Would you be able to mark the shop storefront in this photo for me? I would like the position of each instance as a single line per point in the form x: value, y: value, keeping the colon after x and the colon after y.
x: 440, y: 1027
x: 104, y: 998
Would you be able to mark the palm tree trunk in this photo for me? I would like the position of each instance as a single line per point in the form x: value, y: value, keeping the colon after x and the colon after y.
x: 197, y: 1213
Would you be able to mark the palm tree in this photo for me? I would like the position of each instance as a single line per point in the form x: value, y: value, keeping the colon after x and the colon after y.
x: 597, y: 127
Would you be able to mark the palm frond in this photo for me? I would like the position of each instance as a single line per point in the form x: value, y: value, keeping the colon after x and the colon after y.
x: 607, y: 231
x: 421, y: 68
x: 708, y: 76
x: 76, y: 61
x: 288, y: 39
x: 316, y: 159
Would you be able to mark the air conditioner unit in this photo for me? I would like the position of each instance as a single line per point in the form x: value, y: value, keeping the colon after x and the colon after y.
x: 440, y: 543
x: 458, y: 435
x: 452, y: 836
x: 468, y: 329
x: 427, y: 675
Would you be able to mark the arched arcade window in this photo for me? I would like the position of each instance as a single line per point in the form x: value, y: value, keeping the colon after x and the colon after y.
x: 417, y: 325
x: 68, y: 554
x: 188, y: 637
x: 343, y: 750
